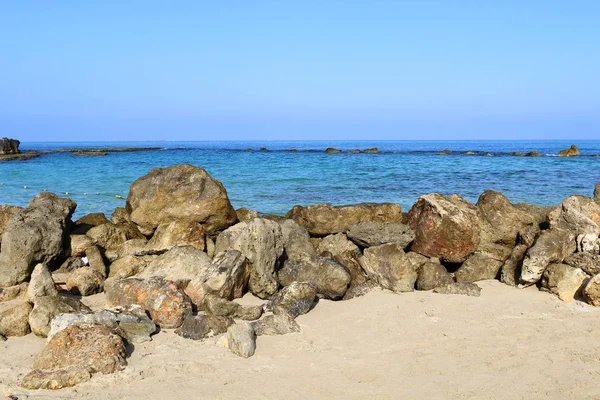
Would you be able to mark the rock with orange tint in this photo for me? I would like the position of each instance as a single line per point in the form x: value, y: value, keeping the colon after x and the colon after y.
x: 162, y: 299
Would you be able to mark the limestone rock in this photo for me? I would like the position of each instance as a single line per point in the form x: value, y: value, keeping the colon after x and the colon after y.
x: 181, y: 192
x: 87, y: 222
x: 14, y: 318
x: 467, y: 289
x: 110, y: 236
x: 478, y: 267
x: 202, y: 326
x: 591, y: 291
x: 132, y: 247
x: 41, y: 283
x: 588, y: 263
x: 431, y: 275
x: 85, y: 281
x: 325, y: 219
x: 337, y: 244
x: 79, y: 244
x: 445, y: 227
x: 47, y: 307
x: 242, y: 339
x: 225, y: 308
x: 563, y: 281
x: 95, y: 260
x: 14, y: 292
x: 176, y: 233
x: 390, y: 267
x: 511, y: 269
x: 570, y: 152
x: 551, y: 246
x: 295, y: 239
x: 35, y: 235
x: 588, y: 243
x: 261, y: 242
x: 74, y: 355
x: 276, y: 324
x: 246, y: 215
x: 371, y: 233
x: 6, y: 213
x: 127, y: 266
x: 296, y: 299
x: 578, y: 214
x: 120, y: 216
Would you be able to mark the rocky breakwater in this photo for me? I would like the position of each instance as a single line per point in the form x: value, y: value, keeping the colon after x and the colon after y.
x: 178, y: 256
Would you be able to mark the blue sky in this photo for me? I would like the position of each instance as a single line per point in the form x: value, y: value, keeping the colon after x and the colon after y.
x: 371, y: 69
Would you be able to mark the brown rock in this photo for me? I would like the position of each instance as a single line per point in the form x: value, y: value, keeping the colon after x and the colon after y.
x: 6, y: 213
x: 110, y: 236
x: 390, y: 267
x: 47, y: 307
x: 87, y: 222
x: 511, y: 270
x: 551, y: 246
x: 431, y: 275
x: 296, y: 299
x: 337, y: 244
x: 85, y: 281
x: 127, y: 266
x: 41, y: 283
x: 13, y: 292
x: 563, y: 281
x: 176, y: 233
x: 588, y: 263
x: 14, y: 318
x: 79, y: 244
x: 95, y: 260
x: 570, y: 152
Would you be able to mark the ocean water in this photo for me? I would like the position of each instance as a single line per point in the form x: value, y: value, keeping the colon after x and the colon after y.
x: 273, y: 181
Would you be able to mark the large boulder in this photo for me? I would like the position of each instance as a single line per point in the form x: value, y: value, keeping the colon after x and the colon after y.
x: 588, y: 263
x: 501, y: 221
x: 47, y: 307
x: 330, y: 277
x: 570, y: 152
x: 296, y: 239
x: 176, y: 233
x: 180, y: 264
x: 325, y: 219
x: 9, y: 146
x: 336, y: 245
x: 6, y: 213
x: 372, y: 233
x: 563, y: 281
x: 579, y: 214
x: 167, y: 304
x: 111, y: 236
x: 597, y: 193
x: 261, y: 242
x: 484, y: 264
x: 390, y: 267
x: 74, y: 355
x: 295, y: 299
x: 551, y: 246
x: 14, y: 318
x: 445, y: 227
x: 431, y: 275
x: 41, y: 283
x: 35, y: 235
x: 181, y: 192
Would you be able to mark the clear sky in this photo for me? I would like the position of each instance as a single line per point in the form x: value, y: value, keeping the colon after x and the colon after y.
x: 327, y: 69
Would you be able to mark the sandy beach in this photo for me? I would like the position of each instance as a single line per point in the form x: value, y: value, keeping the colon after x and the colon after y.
x: 507, y: 344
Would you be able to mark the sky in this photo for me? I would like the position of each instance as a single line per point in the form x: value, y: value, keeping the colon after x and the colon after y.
x: 263, y: 70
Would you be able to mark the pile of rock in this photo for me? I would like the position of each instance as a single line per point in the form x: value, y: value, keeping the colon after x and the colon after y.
x: 179, y: 255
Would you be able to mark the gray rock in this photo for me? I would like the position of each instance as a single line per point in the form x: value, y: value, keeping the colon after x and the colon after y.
x: 261, y: 242
x: 14, y: 318
x: 41, y: 283
x: 35, y: 235
x: 225, y: 308
x: 330, y: 278
x: 202, y: 326
x: 478, y: 267
x: 276, y: 324
x: 511, y: 269
x: 47, y: 307
x: 389, y: 266
x: 431, y: 275
x: 337, y: 244
x: 296, y: 299
x: 242, y: 340
x: 468, y: 289
x: 588, y: 263
x: 551, y: 246
x: 371, y: 233
x: 295, y: 239
x: 563, y: 281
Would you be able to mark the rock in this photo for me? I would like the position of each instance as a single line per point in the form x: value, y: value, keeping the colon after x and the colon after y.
x: 578, y: 214
x: 272, y: 325
x: 337, y: 244
x: 2, y: 338
x: 370, y: 233
x: 468, y: 289
x: 9, y: 146
x: 444, y: 152
x: 390, y: 267
x: 85, y: 281
x: 74, y: 355
x: 131, y: 247
x: 478, y: 267
x: 445, y: 227
x: 588, y: 263
x: 131, y: 323
x: 242, y: 340
x: 295, y: 239
x: 110, y: 236
x: 33, y: 236
x: 570, y: 152
x: 210, y: 247
x: 261, y: 242
x: 296, y: 299
x: 47, y: 307
x: 6, y: 213
x: 246, y: 215
x: 180, y: 264
x: 14, y: 318
x: 591, y: 291
x: 501, y: 221
x: 41, y: 283
x: 330, y: 278
x: 14, y: 292
x: 167, y: 304
x: 533, y: 154
x: 87, y: 222
x: 79, y: 244
x: 349, y: 259
x: 431, y: 275
x: 331, y: 150
x: 95, y: 260
x: 359, y: 290
x: 181, y: 192
x: 176, y: 233
x: 517, y: 154
x: 325, y: 219
x: 597, y: 193
x: 588, y: 243
x: 202, y: 326
x: 373, y: 150
x: 120, y: 216
x: 563, y: 281
x: 127, y: 266
x: 511, y: 270
x: 551, y: 246
x: 226, y: 278
x: 225, y: 308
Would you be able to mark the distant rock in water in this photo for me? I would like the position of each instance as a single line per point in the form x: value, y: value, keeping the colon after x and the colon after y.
x: 331, y: 150
x: 570, y: 152
x: 371, y: 151
x: 517, y: 154
x: 444, y: 152
x: 470, y: 153
x: 9, y: 146
x: 533, y: 154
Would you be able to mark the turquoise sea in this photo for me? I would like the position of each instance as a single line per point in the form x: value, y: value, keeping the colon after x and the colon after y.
x: 275, y: 180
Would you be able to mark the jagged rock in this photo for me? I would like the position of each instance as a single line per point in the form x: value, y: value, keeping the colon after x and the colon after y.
x: 359, y: 290
x: 597, y: 193
x: 358, y: 277
x: 578, y: 214
x: 241, y: 339
x: 225, y: 308
x: 9, y: 146
x: 85, y: 281
x: 227, y: 277
x: 120, y: 216
x: 176, y: 233
x: 210, y: 247
x: 445, y: 227
x: 14, y: 292
x: 511, y: 270
x: 295, y: 239
x: 563, y: 281
x: 276, y: 324
x: 588, y: 243
x: 431, y: 275
x: 330, y: 278
x: 110, y: 236
x: 79, y: 244
x: 588, y: 263
x: 167, y: 304
x: 331, y: 150
x: 41, y: 283
x: 591, y: 291
x: 87, y: 222
x: 35, y: 235
x: 14, y: 318
x: 337, y: 244
x: 131, y: 247
x: 131, y: 323
x: 95, y: 260
x: 468, y: 289
x: 246, y: 215
x: 201, y: 326
x: 181, y: 192
x: 6, y: 213
x: 127, y: 266
x: 325, y: 219
x: 551, y: 246
x: 296, y: 299
x: 371, y: 233
x: 74, y: 355
x: 261, y: 242
x: 389, y: 266
x: 570, y: 152
x: 478, y: 267
x: 47, y: 307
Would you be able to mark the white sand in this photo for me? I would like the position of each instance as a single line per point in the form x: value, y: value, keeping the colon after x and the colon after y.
x: 506, y: 344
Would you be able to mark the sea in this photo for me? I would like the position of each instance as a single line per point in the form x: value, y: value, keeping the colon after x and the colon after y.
x: 288, y: 173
